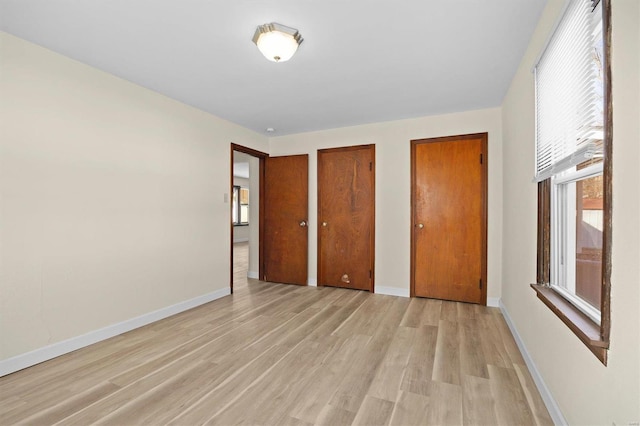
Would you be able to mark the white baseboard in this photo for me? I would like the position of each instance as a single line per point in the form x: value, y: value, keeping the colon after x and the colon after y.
x: 404, y: 292
x: 240, y: 240
x: 392, y: 291
x: 46, y: 353
x: 547, y: 397
x: 493, y: 302
x: 312, y: 282
x: 252, y: 274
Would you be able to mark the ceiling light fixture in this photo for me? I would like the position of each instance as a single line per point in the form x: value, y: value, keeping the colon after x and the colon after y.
x: 277, y: 42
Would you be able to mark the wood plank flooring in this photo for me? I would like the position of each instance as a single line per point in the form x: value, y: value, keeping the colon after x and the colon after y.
x: 289, y: 355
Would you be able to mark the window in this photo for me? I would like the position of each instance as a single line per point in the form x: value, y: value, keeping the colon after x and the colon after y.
x: 240, y: 206
x: 576, y: 238
x: 573, y: 169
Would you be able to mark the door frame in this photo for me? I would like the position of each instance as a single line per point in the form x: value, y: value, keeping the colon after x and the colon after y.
x: 372, y: 147
x: 261, y: 156
x: 485, y: 167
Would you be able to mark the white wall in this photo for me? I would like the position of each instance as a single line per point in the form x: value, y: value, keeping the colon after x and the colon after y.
x: 586, y: 391
x: 254, y: 216
x: 393, y: 203
x: 112, y: 199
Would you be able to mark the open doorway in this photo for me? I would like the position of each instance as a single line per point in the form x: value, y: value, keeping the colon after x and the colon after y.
x: 268, y: 199
x: 245, y: 199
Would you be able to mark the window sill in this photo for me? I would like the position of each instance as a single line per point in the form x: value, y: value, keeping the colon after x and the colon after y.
x: 580, y: 324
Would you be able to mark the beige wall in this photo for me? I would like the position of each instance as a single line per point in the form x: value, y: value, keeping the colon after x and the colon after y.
x: 586, y: 391
x: 112, y: 199
x: 392, y: 140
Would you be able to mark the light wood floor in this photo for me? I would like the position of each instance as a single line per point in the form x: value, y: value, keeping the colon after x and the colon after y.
x: 280, y: 354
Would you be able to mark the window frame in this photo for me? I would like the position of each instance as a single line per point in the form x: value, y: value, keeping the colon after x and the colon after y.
x: 595, y: 336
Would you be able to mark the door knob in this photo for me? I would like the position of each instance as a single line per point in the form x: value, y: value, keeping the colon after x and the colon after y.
x: 420, y: 225
x: 303, y: 223
x: 324, y: 223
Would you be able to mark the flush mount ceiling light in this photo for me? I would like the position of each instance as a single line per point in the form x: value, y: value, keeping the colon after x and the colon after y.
x: 277, y: 42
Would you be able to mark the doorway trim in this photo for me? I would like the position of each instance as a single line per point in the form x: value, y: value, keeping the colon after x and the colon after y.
x: 485, y: 168
x: 261, y: 156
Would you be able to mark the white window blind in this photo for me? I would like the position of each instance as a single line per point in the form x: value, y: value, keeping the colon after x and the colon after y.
x: 569, y: 92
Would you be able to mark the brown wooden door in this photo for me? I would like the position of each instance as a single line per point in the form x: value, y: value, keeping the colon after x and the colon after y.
x: 285, y: 219
x: 346, y: 202
x: 449, y: 178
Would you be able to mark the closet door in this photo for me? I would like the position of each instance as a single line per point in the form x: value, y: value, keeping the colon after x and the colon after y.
x: 449, y: 223
x: 346, y: 212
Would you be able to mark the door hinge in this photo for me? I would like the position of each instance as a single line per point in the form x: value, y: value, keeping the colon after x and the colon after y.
x: 480, y: 284
x: 370, y: 165
x: 480, y: 158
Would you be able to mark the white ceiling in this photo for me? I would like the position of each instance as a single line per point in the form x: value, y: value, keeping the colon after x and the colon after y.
x: 361, y: 61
